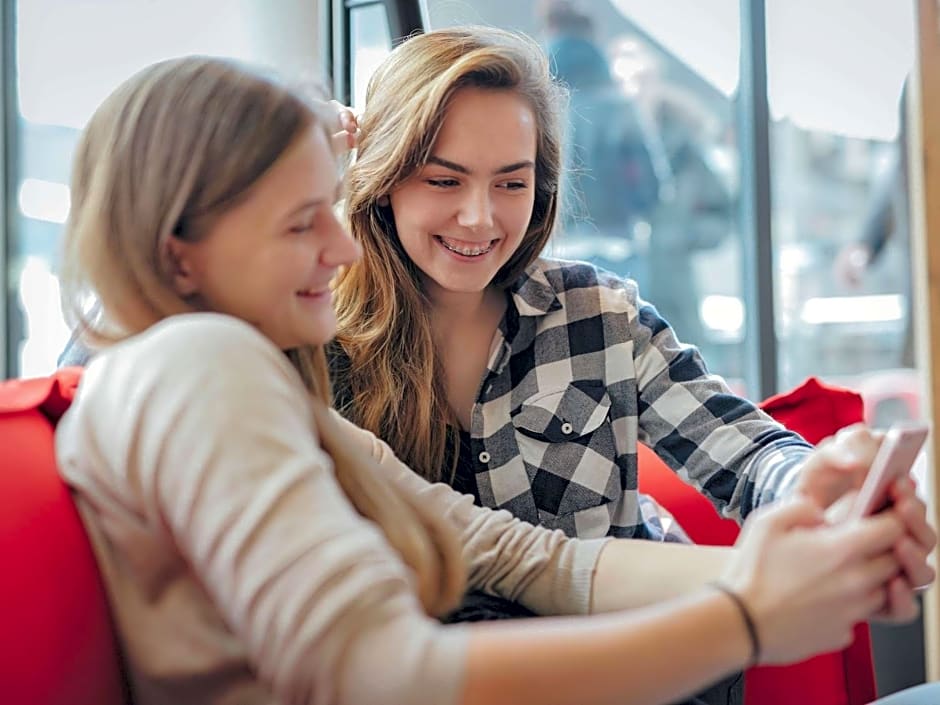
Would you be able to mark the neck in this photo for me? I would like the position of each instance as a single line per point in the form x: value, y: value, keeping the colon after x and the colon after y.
x: 451, y: 309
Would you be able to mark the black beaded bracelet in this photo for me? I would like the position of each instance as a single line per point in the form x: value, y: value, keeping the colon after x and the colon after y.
x: 747, y: 618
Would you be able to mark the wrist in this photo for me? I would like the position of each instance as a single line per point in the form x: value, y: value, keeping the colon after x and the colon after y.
x: 746, y: 615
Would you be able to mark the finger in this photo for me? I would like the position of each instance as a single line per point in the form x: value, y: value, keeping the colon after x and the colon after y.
x: 858, y: 444
x: 877, y: 604
x: 913, y: 513
x: 913, y: 563
x: 345, y: 117
x: 861, y: 433
x: 796, y: 513
x: 869, y: 536
x: 342, y: 142
x: 840, y: 510
x: 874, y: 573
x: 901, y: 604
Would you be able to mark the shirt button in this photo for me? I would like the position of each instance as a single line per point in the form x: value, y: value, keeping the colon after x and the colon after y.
x: 567, y: 428
x: 484, y: 457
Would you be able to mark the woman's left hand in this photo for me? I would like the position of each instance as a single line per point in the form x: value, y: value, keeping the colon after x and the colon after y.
x: 345, y: 132
x: 835, y: 471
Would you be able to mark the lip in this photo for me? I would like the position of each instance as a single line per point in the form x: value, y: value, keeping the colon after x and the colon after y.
x: 490, y: 244
x: 314, y: 294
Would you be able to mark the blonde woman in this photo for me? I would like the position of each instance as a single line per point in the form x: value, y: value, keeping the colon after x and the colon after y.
x: 257, y: 548
x: 523, y: 380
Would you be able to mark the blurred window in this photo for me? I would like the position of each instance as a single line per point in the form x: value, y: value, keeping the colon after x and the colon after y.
x: 371, y: 42
x: 836, y: 76
x: 70, y: 56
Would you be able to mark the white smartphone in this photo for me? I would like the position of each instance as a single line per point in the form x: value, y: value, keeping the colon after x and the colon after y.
x: 894, y: 459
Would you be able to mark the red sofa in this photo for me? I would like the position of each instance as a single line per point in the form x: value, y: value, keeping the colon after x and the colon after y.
x: 58, y: 646
x: 815, y: 411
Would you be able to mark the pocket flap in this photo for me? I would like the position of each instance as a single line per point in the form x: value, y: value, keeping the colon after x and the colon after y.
x: 564, y: 414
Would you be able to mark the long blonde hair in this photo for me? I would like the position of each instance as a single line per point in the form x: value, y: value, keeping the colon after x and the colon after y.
x: 393, y: 379
x: 171, y: 150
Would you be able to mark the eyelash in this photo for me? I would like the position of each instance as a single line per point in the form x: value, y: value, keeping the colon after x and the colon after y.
x: 301, y: 229
x: 451, y: 183
x: 443, y: 183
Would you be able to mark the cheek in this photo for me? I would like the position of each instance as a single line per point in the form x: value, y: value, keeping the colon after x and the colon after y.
x: 519, y: 216
x: 412, y: 216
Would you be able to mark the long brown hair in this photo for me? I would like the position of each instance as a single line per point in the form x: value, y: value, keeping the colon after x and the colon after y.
x: 171, y: 150
x: 393, y: 377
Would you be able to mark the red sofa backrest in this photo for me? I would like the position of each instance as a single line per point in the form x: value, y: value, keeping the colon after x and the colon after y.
x: 815, y: 411
x: 57, y: 645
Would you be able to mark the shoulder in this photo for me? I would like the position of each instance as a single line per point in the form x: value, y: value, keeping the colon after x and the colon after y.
x: 612, y: 291
x: 194, y: 340
x: 187, y: 353
x: 196, y: 332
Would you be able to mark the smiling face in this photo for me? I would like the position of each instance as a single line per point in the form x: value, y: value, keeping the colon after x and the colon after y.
x: 461, y: 216
x: 269, y: 260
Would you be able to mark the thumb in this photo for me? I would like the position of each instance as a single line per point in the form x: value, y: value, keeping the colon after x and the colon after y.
x: 794, y: 513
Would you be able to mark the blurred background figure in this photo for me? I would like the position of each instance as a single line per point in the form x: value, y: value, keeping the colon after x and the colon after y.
x: 640, y: 194
x: 614, y: 168
x: 885, y: 221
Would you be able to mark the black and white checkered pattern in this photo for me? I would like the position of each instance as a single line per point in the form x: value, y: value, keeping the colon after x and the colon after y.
x: 583, y: 371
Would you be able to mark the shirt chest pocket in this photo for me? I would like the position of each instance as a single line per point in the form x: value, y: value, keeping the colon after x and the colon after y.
x: 568, y: 446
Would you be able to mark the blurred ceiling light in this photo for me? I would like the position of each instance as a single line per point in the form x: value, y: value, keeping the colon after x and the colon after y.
x: 724, y: 314
x: 877, y: 308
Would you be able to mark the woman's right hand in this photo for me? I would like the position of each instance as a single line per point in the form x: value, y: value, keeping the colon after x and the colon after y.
x: 807, y: 583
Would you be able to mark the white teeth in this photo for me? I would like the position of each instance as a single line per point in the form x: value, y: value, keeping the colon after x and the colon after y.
x: 467, y: 252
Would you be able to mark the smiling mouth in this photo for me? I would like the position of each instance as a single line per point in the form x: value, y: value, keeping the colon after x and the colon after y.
x: 465, y: 248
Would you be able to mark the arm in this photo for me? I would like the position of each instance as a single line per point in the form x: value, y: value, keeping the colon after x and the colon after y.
x: 669, y: 570
x: 672, y: 649
x: 722, y: 444
x: 545, y: 571
x: 222, y: 456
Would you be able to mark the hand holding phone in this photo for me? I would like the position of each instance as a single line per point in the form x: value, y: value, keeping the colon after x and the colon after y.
x: 894, y: 459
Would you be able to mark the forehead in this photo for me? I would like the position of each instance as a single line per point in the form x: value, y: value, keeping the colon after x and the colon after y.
x: 487, y: 126
x: 307, y: 168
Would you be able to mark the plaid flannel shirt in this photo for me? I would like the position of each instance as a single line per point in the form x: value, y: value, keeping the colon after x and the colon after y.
x: 582, y: 370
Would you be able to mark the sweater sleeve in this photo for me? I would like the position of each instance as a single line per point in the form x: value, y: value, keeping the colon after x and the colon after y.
x: 544, y: 570
x: 213, y: 427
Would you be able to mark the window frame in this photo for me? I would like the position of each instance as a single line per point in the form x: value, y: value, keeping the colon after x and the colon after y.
x: 924, y: 139
x: 405, y: 17
x: 8, y: 159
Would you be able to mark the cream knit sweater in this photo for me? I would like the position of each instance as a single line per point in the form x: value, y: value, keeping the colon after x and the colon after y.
x: 236, y: 568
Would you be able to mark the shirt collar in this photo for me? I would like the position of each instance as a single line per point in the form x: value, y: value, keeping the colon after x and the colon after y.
x: 533, y: 294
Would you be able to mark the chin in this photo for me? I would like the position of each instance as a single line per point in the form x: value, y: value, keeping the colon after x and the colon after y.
x: 322, y: 333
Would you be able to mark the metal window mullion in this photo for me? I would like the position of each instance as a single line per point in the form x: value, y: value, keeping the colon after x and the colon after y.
x: 754, y: 145
x: 8, y: 158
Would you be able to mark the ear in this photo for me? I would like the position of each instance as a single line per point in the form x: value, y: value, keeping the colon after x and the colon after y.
x: 180, y: 257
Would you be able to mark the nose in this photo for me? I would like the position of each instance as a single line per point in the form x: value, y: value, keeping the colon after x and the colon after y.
x: 340, y: 248
x: 476, y: 210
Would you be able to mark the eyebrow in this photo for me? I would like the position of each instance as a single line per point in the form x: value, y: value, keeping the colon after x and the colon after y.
x: 306, y: 206
x: 453, y: 166
x: 318, y: 202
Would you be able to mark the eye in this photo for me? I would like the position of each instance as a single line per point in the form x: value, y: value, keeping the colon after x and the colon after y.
x: 443, y: 183
x: 301, y: 228
x: 514, y: 185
